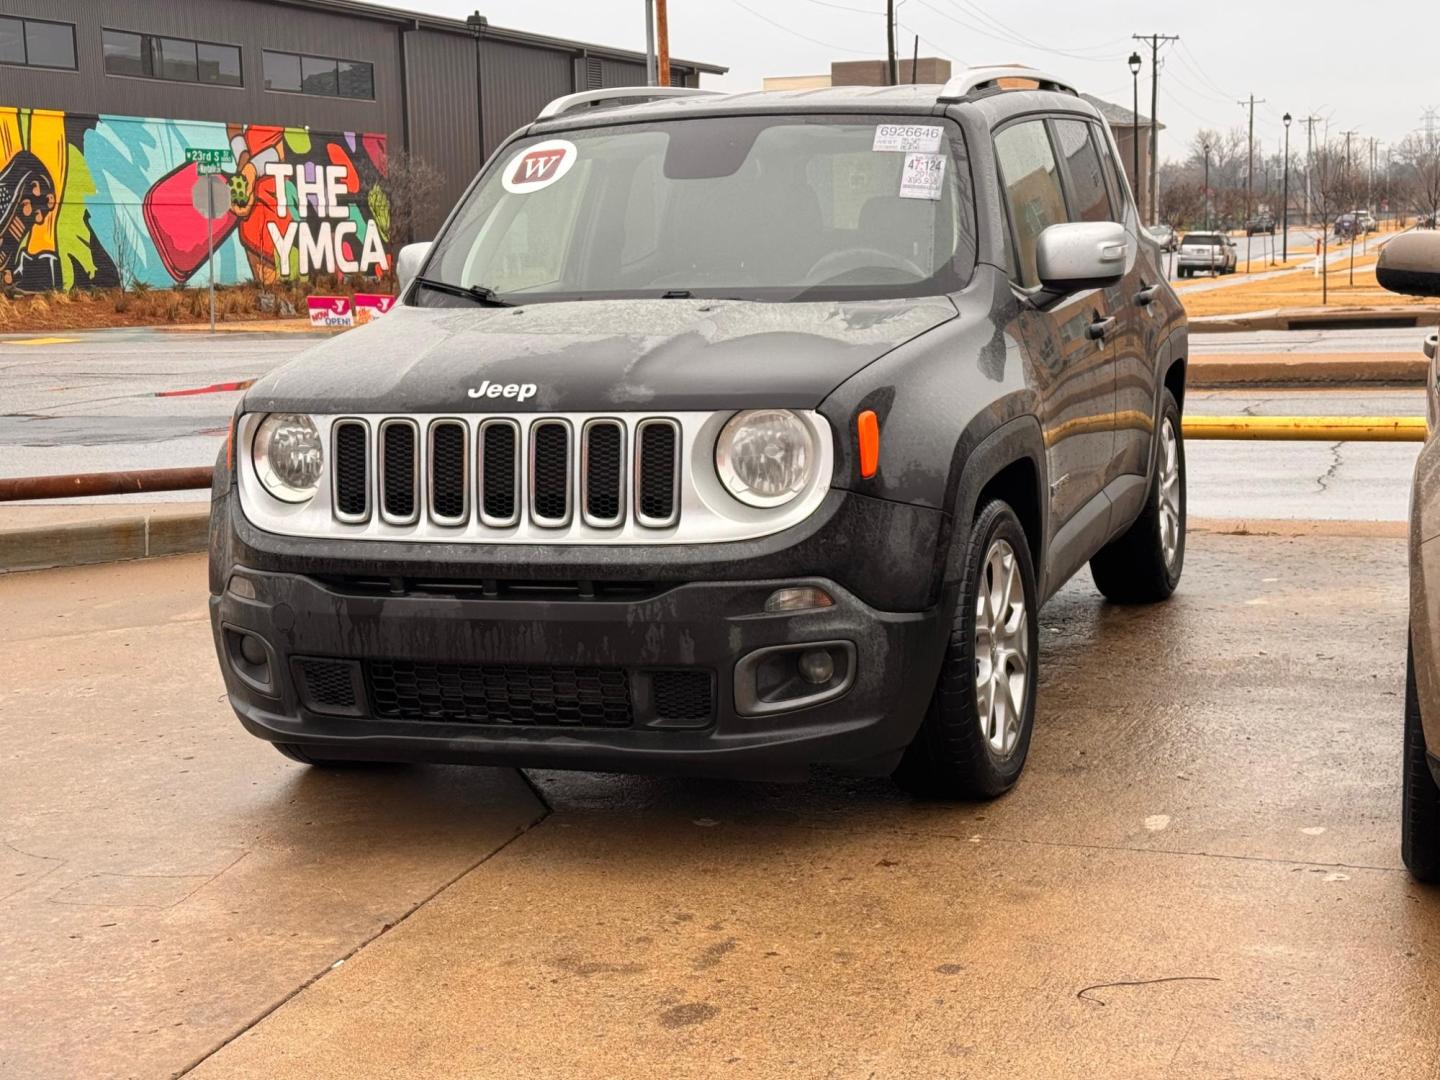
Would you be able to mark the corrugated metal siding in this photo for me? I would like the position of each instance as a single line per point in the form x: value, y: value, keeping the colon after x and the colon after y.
x: 444, y: 129
x: 518, y: 81
x: 252, y: 25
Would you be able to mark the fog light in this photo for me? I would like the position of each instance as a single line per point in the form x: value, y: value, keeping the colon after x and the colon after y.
x: 252, y: 649
x: 816, y: 667
x: 799, y: 598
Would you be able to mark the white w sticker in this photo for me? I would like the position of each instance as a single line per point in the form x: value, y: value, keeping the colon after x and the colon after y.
x: 538, y: 166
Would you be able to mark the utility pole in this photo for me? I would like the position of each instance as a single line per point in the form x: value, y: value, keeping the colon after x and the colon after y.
x: 1155, y: 41
x: 662, y: 31
x: 890, y: 41
x: 1250, y: 174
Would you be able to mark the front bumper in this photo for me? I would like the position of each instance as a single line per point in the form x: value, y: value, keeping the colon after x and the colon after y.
x: 696, y: 628
x: 457, y: 620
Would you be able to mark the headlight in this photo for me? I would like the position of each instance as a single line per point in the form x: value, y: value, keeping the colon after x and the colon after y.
x: 288, y: 456
x: 765, y: 457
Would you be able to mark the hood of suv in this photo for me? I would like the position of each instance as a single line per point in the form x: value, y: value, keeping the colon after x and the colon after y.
x: 597, y: 355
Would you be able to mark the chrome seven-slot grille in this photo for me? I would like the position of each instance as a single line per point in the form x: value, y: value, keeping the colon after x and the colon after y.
x: 499, y: 474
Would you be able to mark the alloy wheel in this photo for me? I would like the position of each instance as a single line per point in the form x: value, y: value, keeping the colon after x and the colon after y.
x: 1170, y: 523
x: 1002, y: 649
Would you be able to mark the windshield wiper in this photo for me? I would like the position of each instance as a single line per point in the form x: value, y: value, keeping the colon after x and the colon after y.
x: 481, y: 294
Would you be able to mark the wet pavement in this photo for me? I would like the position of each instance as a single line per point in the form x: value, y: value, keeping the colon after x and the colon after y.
x: 1198, y: 874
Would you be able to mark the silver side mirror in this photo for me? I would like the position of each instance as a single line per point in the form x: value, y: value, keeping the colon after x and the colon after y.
x: 1082, y: 254
x: 408, y: 263
x: 1431, y: 346
x: 1410, y: 264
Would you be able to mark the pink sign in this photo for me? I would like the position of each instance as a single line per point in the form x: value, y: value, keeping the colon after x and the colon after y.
x: 371, y: 305
x: 331, y: 311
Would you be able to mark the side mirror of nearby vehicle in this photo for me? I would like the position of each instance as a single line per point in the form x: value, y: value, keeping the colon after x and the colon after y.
x: 1410, y: 264
x: 1081, y: 254
x: 1431, y: 346
x: 408, y: 263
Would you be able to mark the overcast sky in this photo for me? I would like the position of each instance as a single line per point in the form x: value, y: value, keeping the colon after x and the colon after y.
x: 1373, y: 67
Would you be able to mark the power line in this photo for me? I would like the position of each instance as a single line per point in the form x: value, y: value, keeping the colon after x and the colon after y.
x: 985, y: 32
x: 796, y: 33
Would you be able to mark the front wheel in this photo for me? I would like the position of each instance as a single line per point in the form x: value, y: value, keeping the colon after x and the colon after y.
x: 976, y: 732
x: 1143, y: 565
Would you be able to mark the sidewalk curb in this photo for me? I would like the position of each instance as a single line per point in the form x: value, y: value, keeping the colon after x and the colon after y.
x: 1206, y: 372
x: 1416, y: 315
x: 142, y: 535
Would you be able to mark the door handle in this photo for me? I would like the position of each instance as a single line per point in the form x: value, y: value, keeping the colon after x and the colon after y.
x: 1099, y: 329
x: 1146, y: 295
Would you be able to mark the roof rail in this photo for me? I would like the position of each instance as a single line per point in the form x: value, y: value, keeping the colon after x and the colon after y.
x: 975, y: 79
x: 625, y: 95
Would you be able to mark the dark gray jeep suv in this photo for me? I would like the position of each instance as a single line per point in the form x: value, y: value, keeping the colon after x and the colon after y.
x: 725, y: 434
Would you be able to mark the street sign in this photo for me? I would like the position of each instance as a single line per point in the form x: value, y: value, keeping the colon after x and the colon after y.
x: 209, y: 160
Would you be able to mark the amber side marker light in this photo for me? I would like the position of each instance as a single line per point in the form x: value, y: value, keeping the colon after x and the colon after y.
x: 867, y: 429
x: 230, y: 444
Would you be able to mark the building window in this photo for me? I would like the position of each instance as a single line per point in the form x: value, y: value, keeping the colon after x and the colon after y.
x: 319, y: 75
x: 37, y: 43
x: 146, y: 56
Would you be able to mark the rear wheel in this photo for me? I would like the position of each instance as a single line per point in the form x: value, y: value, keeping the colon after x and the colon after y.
x: 1420, y: 796
x: 976, y: 733
x: 1143, y: 565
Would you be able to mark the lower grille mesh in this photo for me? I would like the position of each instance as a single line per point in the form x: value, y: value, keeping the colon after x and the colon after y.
x: 326, y: 683
x: 682, y: 695
x: 502, y: 694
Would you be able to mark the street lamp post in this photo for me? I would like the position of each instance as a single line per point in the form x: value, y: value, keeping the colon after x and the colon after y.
x: 1135, y: 127
x: 1285, y: 198
x: 1206, y: 147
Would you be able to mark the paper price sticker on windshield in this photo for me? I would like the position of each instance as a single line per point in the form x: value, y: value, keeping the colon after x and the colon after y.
x: 911, y: 138
x: 923, y: 176
x: 538, y: 166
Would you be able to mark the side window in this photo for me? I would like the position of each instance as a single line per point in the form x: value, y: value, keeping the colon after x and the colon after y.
x: 1112, y: 170
x: 1032, y: 188
x: 1089, y: 194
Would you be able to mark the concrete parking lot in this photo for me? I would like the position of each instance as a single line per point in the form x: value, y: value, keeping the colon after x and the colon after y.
x: 1198, y: 875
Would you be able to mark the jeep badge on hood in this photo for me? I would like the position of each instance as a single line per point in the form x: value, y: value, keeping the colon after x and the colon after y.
x: 519, y: 391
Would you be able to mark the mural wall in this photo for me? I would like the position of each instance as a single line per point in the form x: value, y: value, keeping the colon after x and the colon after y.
x: 89, y: 201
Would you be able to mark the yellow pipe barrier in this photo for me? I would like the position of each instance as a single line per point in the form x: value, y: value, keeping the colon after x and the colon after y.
x: 1308, y: 428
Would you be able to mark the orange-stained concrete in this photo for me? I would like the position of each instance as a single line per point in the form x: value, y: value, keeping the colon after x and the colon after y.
x: 1211, y: 801
x: 164, y: 878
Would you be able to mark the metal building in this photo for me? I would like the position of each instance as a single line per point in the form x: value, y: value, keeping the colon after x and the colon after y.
x: 101, y: 99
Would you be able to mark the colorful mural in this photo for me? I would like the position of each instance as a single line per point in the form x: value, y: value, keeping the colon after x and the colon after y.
x: 91, y: 201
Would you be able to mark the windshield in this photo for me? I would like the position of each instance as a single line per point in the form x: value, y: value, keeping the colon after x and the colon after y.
x: 758, y: 207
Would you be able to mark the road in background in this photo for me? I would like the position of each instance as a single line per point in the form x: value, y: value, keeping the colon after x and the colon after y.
x: 90, y: 404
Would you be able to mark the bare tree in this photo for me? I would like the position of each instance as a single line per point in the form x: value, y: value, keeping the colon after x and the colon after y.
x: 405, y: 199
x: 1335, y: 185
x: 1419, y: 157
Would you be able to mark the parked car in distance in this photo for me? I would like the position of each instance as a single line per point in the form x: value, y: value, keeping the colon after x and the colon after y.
x: 719, y: 434
x: 1410, y: 264
x: 1164, y: 235
x: 1366, y: 221
x: 1260, y: 223
x: 1346, y: 226
x: 1206, y: 252
x: 1425, y: 221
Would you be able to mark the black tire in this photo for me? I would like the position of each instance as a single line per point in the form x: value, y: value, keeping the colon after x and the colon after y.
x: 1420, y: 796
x: 1133, y: 568
x: 951, y: 757
x: 306, y: 756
